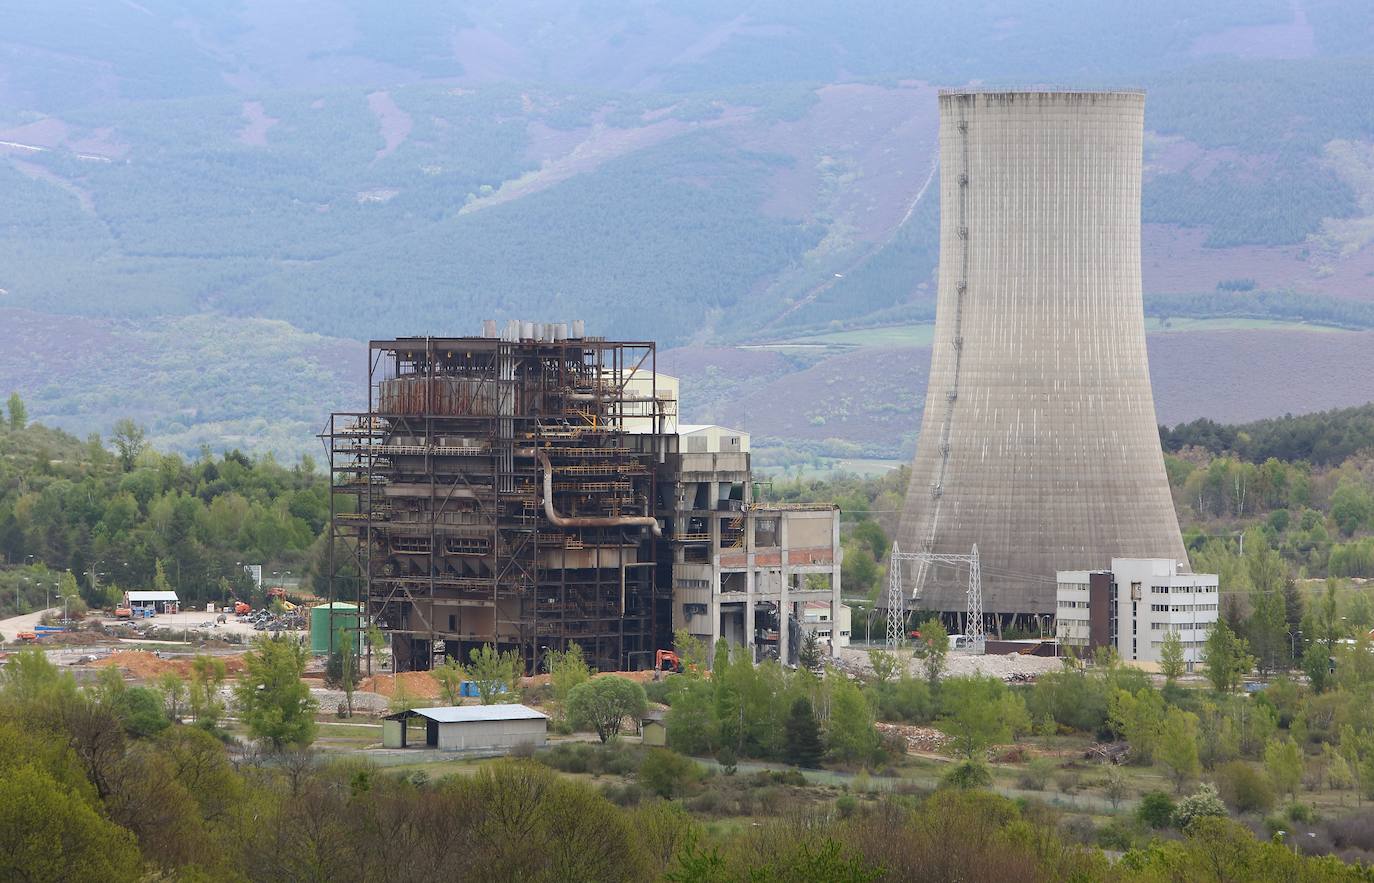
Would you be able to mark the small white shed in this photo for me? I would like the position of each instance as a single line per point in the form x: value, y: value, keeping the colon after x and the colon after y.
x: 471, y: 727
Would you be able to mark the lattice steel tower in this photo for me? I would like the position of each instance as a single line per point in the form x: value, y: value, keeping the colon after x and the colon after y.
x: 1039, y: 441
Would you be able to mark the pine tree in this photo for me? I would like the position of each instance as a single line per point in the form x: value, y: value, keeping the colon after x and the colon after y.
x: 803, y: 736
x: 810, y: 654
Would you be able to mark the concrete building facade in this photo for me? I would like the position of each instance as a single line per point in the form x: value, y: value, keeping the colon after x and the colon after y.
x: 745, y: 570
x: 1038, y: 441
x: 1134, y: 605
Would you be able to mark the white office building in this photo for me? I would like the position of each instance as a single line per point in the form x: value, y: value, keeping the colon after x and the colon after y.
x: 1133, y: 605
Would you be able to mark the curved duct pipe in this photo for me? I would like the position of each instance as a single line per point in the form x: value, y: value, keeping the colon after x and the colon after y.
x: 560, y: 520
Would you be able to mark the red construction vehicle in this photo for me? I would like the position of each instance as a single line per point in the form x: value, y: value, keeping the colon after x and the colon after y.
x: 124, y: 613
x: 241, y: 608
x: 667, y: 660
x: 27, y: 636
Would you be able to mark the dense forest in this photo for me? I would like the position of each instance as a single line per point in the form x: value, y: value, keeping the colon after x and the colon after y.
x: 73, y: 512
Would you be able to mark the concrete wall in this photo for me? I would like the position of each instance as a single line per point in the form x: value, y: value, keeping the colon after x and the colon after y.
x: 486, y: 735
x: 1053, y: 454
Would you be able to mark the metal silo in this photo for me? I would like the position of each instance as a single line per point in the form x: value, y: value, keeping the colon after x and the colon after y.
x: 1039, y: 441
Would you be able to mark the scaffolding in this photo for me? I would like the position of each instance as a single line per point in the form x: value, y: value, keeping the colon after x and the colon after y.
x: 500, y: 490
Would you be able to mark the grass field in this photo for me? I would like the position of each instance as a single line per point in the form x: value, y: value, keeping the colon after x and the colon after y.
x: 921, y: 333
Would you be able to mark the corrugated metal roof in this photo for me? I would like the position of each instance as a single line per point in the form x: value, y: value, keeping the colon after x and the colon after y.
x: 152, y: 596
x: 455, y: 714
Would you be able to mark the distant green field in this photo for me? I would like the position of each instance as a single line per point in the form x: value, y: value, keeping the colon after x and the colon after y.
x: 1153, y: 325
x: 921, y: 333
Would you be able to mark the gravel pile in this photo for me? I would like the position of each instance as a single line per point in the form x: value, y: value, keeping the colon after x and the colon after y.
x: 363, y: 702
x: 1012, y: 668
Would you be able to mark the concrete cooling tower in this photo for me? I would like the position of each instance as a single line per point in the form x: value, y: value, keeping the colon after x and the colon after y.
x: 1039, y: 441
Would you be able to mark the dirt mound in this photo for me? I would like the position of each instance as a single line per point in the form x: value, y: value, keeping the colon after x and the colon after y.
x: 142, y: 664
x: 417, y: 685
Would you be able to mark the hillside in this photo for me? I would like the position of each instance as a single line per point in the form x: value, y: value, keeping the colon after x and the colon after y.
x: 698, y: 173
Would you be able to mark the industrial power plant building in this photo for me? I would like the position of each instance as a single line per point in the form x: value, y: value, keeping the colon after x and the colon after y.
x: 1038, y: 441
x: 531, y: 488
x: 1134, y: 605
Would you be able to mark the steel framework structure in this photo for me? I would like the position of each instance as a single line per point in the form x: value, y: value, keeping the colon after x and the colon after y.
x: 500, y: 490
x: 896, y: 596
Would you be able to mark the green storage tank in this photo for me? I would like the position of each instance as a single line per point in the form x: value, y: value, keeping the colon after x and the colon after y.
x: 344, y: 616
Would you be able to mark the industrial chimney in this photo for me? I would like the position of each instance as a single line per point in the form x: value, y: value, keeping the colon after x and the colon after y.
x: 1039, y: 441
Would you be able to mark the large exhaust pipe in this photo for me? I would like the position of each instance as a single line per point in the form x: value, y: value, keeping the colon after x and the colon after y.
x: 560, y: 520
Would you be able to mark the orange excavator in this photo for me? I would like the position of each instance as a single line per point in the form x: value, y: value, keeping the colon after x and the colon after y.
x: 667, y: 660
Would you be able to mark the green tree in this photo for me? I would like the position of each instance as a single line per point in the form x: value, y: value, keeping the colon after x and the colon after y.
x: 971, y: 712
x: 1139, y: 719
x: 1316, y: 663
x: 850, y: 735
x: 130, y: 440
x: 1283, y: 763
x: 809, y: 656
x: 935, y: 648
x: 272, y: 699
x: 802, y: 745
x: 567, y: 670
x: 48, y: 833
x: 450, y: 674
x: 1352, y: 507
x: 1227, y: 658
x: 1177, y: 749
x: 19, y: 415
x: 495, y: 675
x: 207, y: 676
x: 1156, y: 810
x: 173, y: 690
x: 691, y: 719
x: 601, y: 704
x: 1171, y: 662
x: 885, y: 665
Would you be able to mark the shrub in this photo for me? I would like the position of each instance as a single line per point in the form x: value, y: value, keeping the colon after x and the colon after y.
x: 1036, y: 775
x: 1117, y: 835
x: 623, y: 795
x: 1156, y: 810
x: 1079, y: 829
x: 846, y: 804
x: 1301, y: 813
x: 727, y: 759
x: 1067, y: 780
x: 1204, y: 803
x: 659, y: 691
x: 667, y: 773
x: 967, y: 775
x: 1244, y: 788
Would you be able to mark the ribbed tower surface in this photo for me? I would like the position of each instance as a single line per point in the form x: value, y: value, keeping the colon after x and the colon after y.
x: 1039, y: 440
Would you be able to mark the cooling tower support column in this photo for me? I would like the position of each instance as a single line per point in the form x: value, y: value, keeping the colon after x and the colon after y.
x: 896, y: 596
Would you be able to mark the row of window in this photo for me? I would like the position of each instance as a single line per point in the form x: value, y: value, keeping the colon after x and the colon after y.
x: 1072, y: 605
x: 1179, y: 626
x: 1182, y: 608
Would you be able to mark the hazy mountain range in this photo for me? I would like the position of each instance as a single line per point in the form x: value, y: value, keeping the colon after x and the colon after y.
x: 205, y: 205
